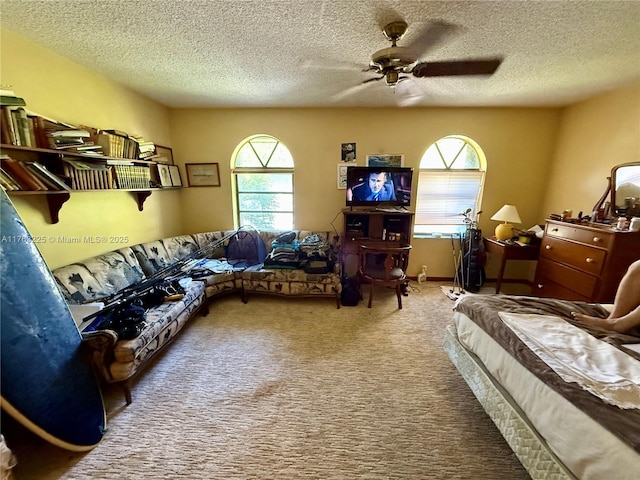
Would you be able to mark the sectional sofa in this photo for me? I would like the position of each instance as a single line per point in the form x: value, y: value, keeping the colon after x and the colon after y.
x: 206, y: 274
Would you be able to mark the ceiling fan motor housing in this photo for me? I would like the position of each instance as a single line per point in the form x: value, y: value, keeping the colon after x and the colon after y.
x: 392, y: 58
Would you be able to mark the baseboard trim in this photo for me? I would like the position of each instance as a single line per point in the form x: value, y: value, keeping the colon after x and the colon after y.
x: 447, y: 280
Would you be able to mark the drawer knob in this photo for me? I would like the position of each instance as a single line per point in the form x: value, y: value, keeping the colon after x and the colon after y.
x: 596, y: 239
x: 590, y: 260
x: 554, y: 229
x: 540, y: 285
x: 548, y: 247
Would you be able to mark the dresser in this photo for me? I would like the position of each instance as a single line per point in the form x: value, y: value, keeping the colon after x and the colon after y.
x: 583, y: 262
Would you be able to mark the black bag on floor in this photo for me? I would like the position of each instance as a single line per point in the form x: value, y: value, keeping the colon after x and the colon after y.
x: 351, y: 295
x: 473, y: 261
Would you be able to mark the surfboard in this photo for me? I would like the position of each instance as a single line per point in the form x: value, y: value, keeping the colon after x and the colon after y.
x: 47, y: 384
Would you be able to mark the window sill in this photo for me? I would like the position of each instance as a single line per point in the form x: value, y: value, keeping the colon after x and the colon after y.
x: 435, y: 236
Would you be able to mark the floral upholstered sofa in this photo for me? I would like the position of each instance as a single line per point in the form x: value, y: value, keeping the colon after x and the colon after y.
x: 299, y: 262
x: 201, y: 259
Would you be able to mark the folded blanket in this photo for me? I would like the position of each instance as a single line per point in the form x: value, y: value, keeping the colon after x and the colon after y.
x: 576, y: 356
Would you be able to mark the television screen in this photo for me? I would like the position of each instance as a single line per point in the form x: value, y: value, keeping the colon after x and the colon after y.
x: 373, y: 186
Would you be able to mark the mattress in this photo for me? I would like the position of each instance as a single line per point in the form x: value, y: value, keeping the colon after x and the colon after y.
x: 577, y: 439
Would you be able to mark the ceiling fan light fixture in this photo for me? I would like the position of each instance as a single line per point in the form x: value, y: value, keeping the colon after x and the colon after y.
x: 391, y: 78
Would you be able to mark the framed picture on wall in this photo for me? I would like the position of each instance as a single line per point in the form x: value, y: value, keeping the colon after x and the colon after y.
x: 164, y: 174
x: 385, y: 160
x: 342, y: 174
x: 163, y: 155
x: 174, y: 172
x: 203, y: 174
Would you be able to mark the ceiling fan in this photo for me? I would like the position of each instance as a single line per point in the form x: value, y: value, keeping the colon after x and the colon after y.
x: 397, y: 63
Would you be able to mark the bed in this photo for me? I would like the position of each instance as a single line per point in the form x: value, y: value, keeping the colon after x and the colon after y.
x: 565, y: 396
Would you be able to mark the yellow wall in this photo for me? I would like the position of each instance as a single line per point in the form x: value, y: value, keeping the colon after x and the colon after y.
x: 518, y: 144
x: 594, y: 136
x: 56, y: 87
x: 541, y: 159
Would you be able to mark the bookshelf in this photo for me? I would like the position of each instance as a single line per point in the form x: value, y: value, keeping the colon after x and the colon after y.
x: 98, y: 174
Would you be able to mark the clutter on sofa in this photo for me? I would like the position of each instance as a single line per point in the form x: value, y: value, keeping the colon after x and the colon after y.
x: 121, y: 349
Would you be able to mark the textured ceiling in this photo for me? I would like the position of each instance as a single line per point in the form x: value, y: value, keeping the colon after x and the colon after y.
x: 290, y: 53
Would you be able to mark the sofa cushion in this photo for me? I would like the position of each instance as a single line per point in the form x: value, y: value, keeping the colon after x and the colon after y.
x: 98, y: 277
x: 290, y: 282
x: 207, y: 239
x: 160, y: 254
x: 152, y: 256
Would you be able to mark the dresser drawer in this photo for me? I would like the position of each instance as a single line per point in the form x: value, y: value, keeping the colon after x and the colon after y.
x: 599, y: 239
x: 559, y: 281
x: 582, y: 257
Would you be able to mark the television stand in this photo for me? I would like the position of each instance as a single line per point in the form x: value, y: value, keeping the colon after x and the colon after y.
x: 382, y: 227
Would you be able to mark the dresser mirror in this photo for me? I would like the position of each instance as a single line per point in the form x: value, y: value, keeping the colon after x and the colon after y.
x: 625, y: 189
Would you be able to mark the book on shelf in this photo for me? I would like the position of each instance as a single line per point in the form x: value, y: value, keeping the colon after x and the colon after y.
x: 9, y: 97
x: 8, y: 182
x: 24, y: 128
x: 130, y: 176
x: 71, y: 132
x: 118, y: 144
x: 7, y: 127
x: 88, y: 175
x: 49, y: 178
x: 9, y: 100
x: 18, y: 117
x: 146, y: 149
x: 65, y: 138
x: 21, y: 175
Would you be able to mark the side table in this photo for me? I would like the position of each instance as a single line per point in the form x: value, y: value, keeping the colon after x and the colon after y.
x: 509, y: 251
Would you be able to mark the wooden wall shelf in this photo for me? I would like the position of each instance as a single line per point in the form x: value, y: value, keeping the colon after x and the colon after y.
x: 56, y: 198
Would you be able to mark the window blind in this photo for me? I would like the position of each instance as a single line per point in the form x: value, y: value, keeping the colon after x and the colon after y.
x: 444, y: 194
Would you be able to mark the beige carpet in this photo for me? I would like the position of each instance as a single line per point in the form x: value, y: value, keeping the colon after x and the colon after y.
x: 291, y: 389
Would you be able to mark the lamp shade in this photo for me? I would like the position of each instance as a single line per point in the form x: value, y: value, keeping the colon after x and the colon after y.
x: 507, y: 214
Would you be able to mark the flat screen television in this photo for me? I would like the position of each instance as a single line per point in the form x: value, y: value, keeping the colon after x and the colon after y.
x: 379, y: 186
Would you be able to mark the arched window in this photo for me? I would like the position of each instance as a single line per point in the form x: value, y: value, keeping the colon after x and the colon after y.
x: 262, y: 170
x: 451, y: 181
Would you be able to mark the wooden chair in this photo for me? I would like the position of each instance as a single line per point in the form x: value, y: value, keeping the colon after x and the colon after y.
x: 384, y: 266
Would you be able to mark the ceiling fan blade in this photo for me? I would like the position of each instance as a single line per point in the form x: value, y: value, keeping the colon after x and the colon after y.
x: 343, y: 95
x: 457, y: 67
x: 330, y: 64
x: 433, y: 34
x: 374, y: 79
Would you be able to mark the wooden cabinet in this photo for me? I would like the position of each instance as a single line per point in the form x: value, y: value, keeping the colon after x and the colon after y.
x: 53, y: 161
x: 583, y: 262
x: 375, y: 229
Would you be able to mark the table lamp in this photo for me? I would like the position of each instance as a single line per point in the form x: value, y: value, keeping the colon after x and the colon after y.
x: 506, y: 214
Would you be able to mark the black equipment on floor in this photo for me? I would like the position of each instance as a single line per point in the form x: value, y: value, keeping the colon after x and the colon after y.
x: 474, y: 259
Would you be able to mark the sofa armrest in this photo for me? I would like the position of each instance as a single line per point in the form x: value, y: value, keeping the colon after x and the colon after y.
x: 100, y: 345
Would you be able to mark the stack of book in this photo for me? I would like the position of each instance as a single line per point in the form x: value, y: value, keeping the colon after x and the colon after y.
x: 106, y: 174
x: 145, y: 149
x: 118, y: 144
x: 130, y: 176
x: 88, y: 175
x: 28, y: 176
x: 67, y: 138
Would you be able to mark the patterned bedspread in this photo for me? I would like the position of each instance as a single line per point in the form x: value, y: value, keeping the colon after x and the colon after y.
x: 483, y: 310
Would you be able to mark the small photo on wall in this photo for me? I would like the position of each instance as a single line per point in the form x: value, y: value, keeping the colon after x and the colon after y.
x: 342, y: 175
x: 348, y: 152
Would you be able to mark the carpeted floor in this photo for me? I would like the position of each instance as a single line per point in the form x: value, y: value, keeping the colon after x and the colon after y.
x: 291, y: 389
